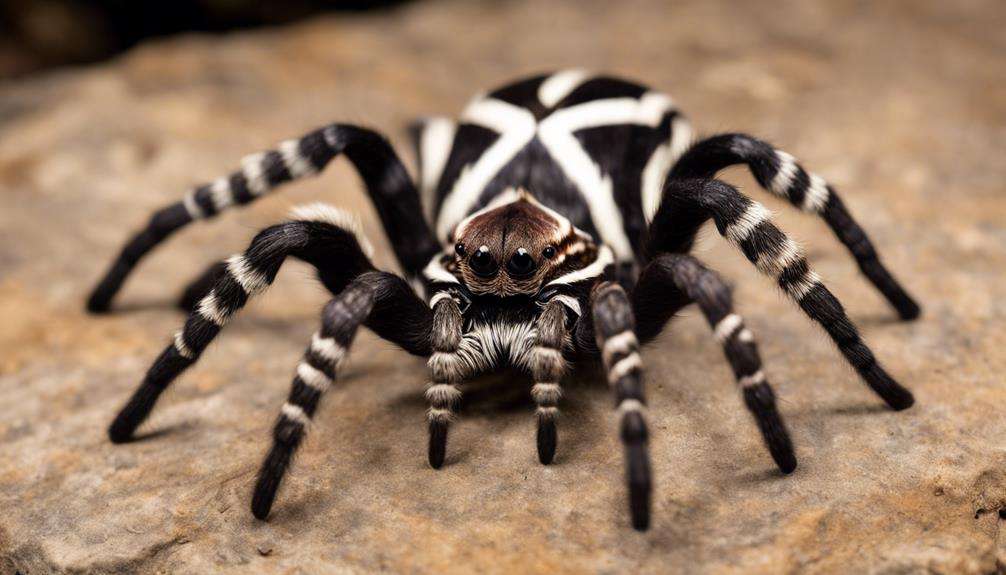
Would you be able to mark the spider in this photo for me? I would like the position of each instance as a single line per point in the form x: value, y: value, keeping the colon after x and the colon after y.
x: 552, y: 223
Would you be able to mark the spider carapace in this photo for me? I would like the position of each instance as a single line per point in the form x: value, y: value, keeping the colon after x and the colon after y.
x: 551, y: 223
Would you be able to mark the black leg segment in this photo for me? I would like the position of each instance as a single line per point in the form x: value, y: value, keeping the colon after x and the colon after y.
x: 315, y: 374
x: 779, y: 173
x: 317, y: 237
x: 661, y: 286
x: 391, y: 189
x: 614, y: 328
x: 687, y: 204
x: 198, y: 288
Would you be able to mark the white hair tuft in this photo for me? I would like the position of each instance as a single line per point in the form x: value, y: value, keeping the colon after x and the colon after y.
x: 329, y: 214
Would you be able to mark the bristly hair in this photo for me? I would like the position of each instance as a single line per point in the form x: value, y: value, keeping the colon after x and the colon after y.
x: 329, y: 214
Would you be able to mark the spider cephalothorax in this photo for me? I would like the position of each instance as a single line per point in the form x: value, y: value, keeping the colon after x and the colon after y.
x: 550, y: 224
x: 515, y: 245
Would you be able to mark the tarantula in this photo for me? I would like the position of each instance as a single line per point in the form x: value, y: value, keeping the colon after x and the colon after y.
x: 551, y: 224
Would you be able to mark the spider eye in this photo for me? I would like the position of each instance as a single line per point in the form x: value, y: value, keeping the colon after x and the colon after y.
x: 482, y: 263
x: 548, y: 253
x: 459, y: 248
x: 520, y: 264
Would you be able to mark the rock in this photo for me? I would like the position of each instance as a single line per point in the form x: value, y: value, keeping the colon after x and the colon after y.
x: 264, y: 548
x: 901, y: 107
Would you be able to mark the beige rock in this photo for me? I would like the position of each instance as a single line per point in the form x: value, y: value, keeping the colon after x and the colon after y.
x: 902, y: 105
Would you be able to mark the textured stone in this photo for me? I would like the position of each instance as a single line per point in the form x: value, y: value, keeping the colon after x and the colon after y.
x: 901, y: 105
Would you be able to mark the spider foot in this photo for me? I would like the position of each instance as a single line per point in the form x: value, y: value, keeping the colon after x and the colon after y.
x: 268, y: 481
x: 897, y: 397
x: 132, y: 415
x: 547, y: 439
x: 640, y: 486
x: 99, y: 302
x: 438, y: 443
x: 760, y: 401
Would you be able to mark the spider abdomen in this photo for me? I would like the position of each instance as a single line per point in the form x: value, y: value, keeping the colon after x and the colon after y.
x: 593, y: 148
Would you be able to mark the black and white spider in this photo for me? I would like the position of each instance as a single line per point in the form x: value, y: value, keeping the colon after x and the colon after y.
x: 552, y: 223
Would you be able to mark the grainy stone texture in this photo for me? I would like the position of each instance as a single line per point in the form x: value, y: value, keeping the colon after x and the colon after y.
x: 902, y: 105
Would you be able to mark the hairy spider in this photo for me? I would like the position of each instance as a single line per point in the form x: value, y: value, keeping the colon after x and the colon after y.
x: 552, y: 223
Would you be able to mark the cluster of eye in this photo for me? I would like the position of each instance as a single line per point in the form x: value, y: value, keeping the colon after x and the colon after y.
x: 521, y: 263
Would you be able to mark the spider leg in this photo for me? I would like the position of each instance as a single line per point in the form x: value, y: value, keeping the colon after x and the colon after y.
x: 687, y: 204
x: 390, y: 188
x: 318, y: 235
x: 448, y: 368
x: 316, y: 372
x: 614, y: 326
x: 779, y: 173
x: 547, y: 368
x: 671, y: 281
x: 199, y: 287
x: 371, y: 297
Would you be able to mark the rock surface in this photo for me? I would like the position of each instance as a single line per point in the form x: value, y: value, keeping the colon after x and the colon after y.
x: 901, y: 105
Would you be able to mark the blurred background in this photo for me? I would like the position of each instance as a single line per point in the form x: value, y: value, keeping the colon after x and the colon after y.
x: 110, y: 110
x: 39, y: 34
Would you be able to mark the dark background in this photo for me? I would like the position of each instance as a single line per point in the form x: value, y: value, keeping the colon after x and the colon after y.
x: 39, y: 34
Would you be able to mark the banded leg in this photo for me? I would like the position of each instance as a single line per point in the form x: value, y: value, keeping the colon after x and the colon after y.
x: 614, y: 329
x: 658, y: 294
x: 687, y: 204
x: 447, y: 369
x: 197, y: 289
x: 316, y: 372
x: 318, y: 235
x: 547, y: 368
x: 387, y: 182
x: 779, y: 173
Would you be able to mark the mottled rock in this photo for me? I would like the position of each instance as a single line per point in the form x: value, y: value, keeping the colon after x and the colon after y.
x: 901, y: 105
